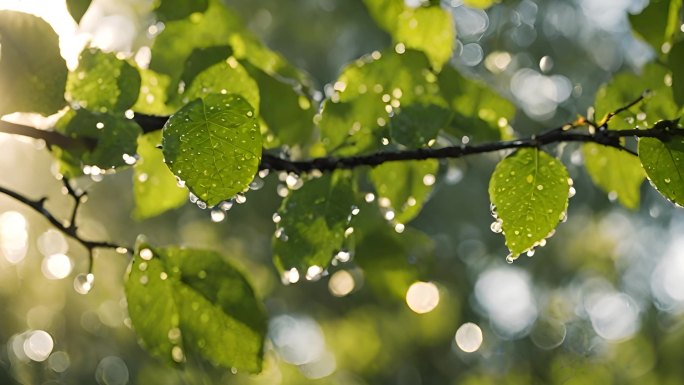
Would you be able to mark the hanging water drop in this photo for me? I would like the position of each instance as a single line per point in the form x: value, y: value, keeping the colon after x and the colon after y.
x: 276, y: 218
x: 226, y: 205
x: 83, y: 283
x: 240, y: 198
x: 510, y: 259
x: 496, y: 226
x: 217, y: 215
x: 256, y: 184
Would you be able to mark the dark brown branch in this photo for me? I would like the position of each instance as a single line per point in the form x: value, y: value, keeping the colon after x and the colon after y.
x: 51, y: 138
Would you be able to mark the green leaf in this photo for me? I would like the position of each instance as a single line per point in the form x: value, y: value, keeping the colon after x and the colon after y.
x: 185, y: 302
x: 530, y: 191
x: 199, y: 60
x: 480, y: 3
x: 403, y: 187
x: 169, y: 10
x: 479, y: 112
x: 153, y: 98
x: 179, y: 38
x: 154, y: 186
x: 664, y: 162
x: 615, y: 172
x: 417, y: 125
x: 427, y: 29
x: 313, y: 220
x: 658, y: 22
x: 287, y: 113
x: 625, y: 88
x: 78, y: 8
x: 228, y: 76
x: 113, y: 140
x: 31, y: 68
x: 214, y: 145
x: 676, y: 63
x: 355, y: 119
x: 103, y: 83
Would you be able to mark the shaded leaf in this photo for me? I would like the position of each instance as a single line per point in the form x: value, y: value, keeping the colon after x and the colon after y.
x: 479, y: 112
x: 199, y: 60
x: 31, y: 67
x: 193, y: 302
x: 417, y: 125
x: 615, y: 172
x: 403, y: 187
x: 154, y: 186
x: 103, y: 83
x: 313, y: 221
x: 658, y: 22
x: 530, y: 191
x: 77, y: 8
x: 676, y: 63
x: 113, y: 140
x: 214, y: 145
x: 168, y: 10
x: 664, y: 162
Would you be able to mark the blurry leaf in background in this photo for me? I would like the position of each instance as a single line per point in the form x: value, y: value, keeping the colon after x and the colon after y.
x: 311, y: 224
x: 179, y: 38
x: 627, y: 87
x: 676, y: 64
x: 31, y: 68
x: 664, y: 162
x: 168, y: 10
x: 480, y: 3
x: 530, y: 191
x: 657, y: 33
x: 185, y: 302
x: 616, y: 172
x: 154, y: 186
x: 417, y: 125
x: 478, y: 110
x: 114, y: 141
x: 403, y: 187
x: 428, y: 29
x: 103, y: 83
x: 214, y: 145
x: 77, y: 8
x: 153, y: 94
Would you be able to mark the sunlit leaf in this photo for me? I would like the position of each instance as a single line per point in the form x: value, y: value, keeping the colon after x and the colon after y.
x: 103, y: 83
x: 479, y: 112
x: 154, y: 186
x: 185, y: 302
x: 480, y: 3
x: 31, y: 68
x: 169, y: 10
x: 287, y: 112
x: 627, y: 87
x: 312, y: 223
x: 226, y: 77
x: 427, y: 29
x: 615, y: 172
x: 530, y: 191
x: 658, y: 22
x: 676, y: 63
x: 78, y: 8
x: 153, y: 94
x: 664, y: 162
x: 403, y: 187
x: 214, y: 145
x: 199, y: 60
x: 179, y: 38
x: 112, y: 138
x: 417, y: 125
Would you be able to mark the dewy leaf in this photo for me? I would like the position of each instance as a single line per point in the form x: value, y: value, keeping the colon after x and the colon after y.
x: 676, y: 63
x: 31, y: 68
x: 114, y: 140
x: 417, y: 125
x: 169, y: 10
x: 616, y: 172
x: 287, y: 113
x: 154, y: 186
x: 103, y: 83
x: 199, y: 60
x: 625, y: 88
x: 153, y: 98
x: 403, y: 187
x: 313, y: 220
x: 214, y: 145
x: 226, y: 77
x: 479, y: 112
x: 185, y: 302
x: 179, y: 38
x: 78, y: 8
x: 530, y: 191
x: 427, y: 29
x: 355, y: 118
x: 664, y: 165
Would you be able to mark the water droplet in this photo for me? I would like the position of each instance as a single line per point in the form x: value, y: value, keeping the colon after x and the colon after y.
x: 240, y: 198
x: 313, y: 273
x: 217, y: 215
x: 177, y: 354
x: 399, y: 228
x: 192, y: 198
x: 571, y: 192
x: 509, y: 258
x: 530, y: 252
x: 276, y: 218
x: 667, y: 180
x: 146, y: 254
x: 342, y: 256
x: 496, y: 226
x: 290, y: 276
x: 226, y: 205
x: 256, y: 184
x: 540, y: 187
x: 83, y: 283
x: 369, y: 197
x: 355, y: 210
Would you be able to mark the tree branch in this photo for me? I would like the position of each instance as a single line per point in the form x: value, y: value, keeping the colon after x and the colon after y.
x: 51, y: 138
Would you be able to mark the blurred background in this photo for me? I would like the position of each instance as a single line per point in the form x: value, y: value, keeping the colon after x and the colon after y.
x: 602, y: 303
